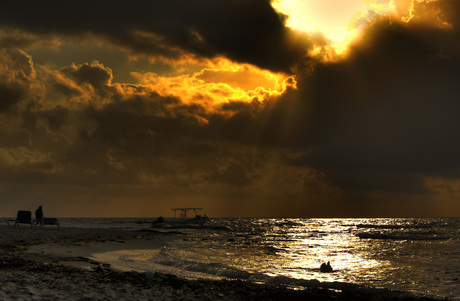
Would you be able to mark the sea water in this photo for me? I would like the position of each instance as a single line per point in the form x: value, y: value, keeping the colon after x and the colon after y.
x: 415, y: 255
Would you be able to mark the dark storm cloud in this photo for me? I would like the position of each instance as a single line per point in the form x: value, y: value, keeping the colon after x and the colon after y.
x: 387, y: 116
x: 235, y: 175
x: 94, y: 74
x: 13, y: 38
x: 245, y: 31
x: 9, y: 96
x: 133, y: 139
x: 17, y: 79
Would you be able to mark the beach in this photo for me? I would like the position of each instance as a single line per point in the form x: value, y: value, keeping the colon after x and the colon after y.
x: 56, y: 264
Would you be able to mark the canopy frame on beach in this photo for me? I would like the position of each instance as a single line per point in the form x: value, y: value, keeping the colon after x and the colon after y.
x: 183, y: 211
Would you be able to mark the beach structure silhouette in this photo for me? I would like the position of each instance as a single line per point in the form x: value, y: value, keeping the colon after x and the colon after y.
x: 25, y: 217
x: 50, y: 221
x: 22, y: 217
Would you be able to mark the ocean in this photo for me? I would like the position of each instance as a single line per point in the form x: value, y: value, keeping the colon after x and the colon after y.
x: 418, y: 255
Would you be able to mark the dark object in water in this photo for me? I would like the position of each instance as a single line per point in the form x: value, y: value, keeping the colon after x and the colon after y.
x: 159, y: 220
x: 182, y: 221
x: 326, y: 267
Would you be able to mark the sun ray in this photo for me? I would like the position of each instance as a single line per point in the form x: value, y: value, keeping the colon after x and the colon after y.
x: 338, y: 21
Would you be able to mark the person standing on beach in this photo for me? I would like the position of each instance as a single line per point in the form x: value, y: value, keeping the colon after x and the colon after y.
x: 38, y: 215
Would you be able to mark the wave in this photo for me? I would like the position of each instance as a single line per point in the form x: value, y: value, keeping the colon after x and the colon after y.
x: 404, y: 226
x: 402, y: 236
x: 413, y: 224
x: 167, y: 257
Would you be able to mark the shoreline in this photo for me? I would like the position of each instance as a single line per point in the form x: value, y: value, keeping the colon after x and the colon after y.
x: 52, y: 264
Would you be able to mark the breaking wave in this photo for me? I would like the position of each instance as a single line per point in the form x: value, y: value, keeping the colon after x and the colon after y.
x: 174, y: 258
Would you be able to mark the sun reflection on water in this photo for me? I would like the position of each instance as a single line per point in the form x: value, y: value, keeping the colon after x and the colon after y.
x: 303, y: 248
x: 418, y: 255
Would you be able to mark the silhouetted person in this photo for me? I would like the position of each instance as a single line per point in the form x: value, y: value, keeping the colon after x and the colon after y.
x: 38, y: 215
x: 326, y: 268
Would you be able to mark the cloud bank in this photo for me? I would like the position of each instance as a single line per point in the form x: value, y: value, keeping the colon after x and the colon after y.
x: 234, y: 115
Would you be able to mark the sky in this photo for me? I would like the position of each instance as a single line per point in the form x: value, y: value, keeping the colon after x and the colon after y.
x: 246, y: 108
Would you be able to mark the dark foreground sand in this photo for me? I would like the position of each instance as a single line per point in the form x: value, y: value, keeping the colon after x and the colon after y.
x: 47, y: 264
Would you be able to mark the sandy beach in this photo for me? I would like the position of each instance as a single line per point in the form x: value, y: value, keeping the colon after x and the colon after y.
x: 52, y: 264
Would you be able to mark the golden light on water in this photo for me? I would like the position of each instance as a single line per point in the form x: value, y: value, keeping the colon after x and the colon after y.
x: 305, y: 248
x: 339, y: 21
x: 402, y: 254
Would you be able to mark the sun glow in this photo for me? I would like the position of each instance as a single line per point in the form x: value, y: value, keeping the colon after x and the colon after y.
x: 339, y: 21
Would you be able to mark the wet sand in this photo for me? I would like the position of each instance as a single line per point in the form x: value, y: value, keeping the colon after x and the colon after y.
x: 52, y: 264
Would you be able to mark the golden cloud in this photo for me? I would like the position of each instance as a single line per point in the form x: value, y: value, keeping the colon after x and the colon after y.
x: 219, y: 83
x: 427, y: 12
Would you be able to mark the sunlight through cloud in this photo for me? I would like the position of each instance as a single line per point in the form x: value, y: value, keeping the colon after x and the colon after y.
x: 338, y: 21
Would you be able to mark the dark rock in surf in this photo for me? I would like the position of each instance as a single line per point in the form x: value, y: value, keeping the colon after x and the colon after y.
x: 326, y: 267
